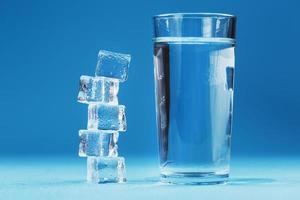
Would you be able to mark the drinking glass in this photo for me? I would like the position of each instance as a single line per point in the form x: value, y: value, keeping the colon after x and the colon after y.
x: 194, y: 69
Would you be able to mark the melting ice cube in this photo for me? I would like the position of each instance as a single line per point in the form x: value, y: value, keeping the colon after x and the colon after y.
x: 98, y: 89
x: 106, y: 169
x: 106, y: 117
x: 98, y: 143
x: 113, y: 65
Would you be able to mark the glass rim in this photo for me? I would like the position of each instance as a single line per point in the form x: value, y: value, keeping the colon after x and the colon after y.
x: 195, y: 15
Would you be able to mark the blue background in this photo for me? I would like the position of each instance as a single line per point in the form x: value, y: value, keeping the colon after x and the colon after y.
x: 46, y: 45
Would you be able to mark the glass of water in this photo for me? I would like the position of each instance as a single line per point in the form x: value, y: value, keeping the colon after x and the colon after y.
x: 194, y: 68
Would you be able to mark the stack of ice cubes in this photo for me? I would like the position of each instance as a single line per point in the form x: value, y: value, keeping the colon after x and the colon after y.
x: 106, y: 118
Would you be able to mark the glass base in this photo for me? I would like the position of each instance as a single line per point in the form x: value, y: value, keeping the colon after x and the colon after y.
x: 194, y: 178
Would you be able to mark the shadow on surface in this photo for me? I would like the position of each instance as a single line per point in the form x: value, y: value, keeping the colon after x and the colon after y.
x: 58, y: 183
x: 46, y: 183
x: 144, y: 181
x: 232, y: 181
x: 250, y: 181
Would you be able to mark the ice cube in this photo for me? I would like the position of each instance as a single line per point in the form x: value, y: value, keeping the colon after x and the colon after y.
x: 106, y: 117
x: 106, y: 170
x: 98, y: 143
x: 113, y: 65
x: 98, y: 89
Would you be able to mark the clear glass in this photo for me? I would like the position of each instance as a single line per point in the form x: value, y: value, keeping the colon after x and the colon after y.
x: 194, y: 68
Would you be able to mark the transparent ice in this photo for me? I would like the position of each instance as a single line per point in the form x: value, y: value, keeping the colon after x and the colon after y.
x: 113, y: 65
x: 98, y: 143
x: 98, y: 89
x: 106, y: 117
x: 106, y: 169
